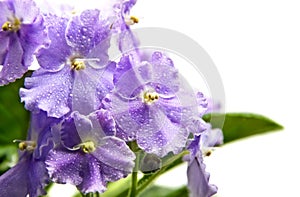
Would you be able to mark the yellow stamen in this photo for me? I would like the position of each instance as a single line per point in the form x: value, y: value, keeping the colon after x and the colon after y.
x: 26, y: 145
x: 150, y: 97
x: 11, y: 26
x: 134, y: 19
x: 77, y: 65
x: 131, y: 20
x: 88, y: 147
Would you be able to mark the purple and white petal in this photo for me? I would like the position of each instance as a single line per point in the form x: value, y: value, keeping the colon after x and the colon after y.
x: 26, y: 11
x: 158, y: 135
x: 48, y: 91
x: 11, y: 67
x: 92, y: 178
x: 32, y: 37
x: 198, y: 179
x: 86, y: 31
x: 55, y: 55
x: 87, y: 91
x: 65, y: 166
x: 211, y: 137
x: 115, y: 153
x: 5, y: 12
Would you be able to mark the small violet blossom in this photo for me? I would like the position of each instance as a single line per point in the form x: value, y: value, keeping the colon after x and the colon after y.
x: 89, y: 156
x: 152, y: 104
x: 198, y: 178
x: 75, y: 73
x: 22, y: 33
x: 30, y: 175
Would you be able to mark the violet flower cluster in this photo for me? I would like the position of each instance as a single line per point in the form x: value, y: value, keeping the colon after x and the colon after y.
x: 86, y: 108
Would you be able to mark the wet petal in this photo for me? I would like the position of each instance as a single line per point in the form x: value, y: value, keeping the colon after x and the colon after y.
x: 87, y: 90
x: 29, y: 175
x: 55, y: 55
x: 88, y: 127
x: 11, y: 64
x: 160, y: 136
x: 65, y: 166
x: 86, y: 31
x: 48, y: 91
x: 25, y: 10
x: 32, y: 36
x: 114, y: 153
x: 93, y: 179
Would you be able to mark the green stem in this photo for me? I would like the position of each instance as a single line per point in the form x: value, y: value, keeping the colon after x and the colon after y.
x: 145, y: 183
x: 133, y: 185
x: 134, y: 174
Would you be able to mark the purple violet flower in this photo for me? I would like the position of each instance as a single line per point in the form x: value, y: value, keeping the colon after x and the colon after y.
x: 22, y: 33
x: 75, y: 73
x: 88, y: 157
x: 152, y: 104
x: 29, y: 175
x: 198, y: 178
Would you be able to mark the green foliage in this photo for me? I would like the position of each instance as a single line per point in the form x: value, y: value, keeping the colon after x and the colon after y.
x: 240, y: 125
x: 14, y: 121
x: 165, y: 192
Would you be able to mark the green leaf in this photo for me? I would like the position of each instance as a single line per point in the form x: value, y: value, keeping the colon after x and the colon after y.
x: 8, y: 157
x: 240, y: 125
x: 165, y: 192
x: 14, y: 119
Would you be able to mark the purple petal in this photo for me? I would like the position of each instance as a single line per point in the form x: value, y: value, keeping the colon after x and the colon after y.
x: 159, y: 58
x: 38, y: 178
x: 48, y: 91
x: 54, y: 56
x: 29, y: 175
x: 15, y: 176
x: 107, y: 122
x: 198, y: 179
x: 211, y: 137
x: 86, y: 31
x: 5, y: 12
x: 4, y: 46
x: 194, y: 146
x: 69, y: 134
x: 65, y: 166
x: 87, y: 90
x: 11, y: 64
x: 88, y: 127
x: 126, y: 125
x: 114, y: 153
x: 160, y: 136
x: 32, y: 36
x: 93, y: 179
x: 25, y: 10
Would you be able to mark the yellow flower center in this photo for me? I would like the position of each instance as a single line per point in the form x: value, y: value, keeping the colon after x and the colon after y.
x: 150, y: 97
x: 12, y: 26
x: 26, y: 145
x: 77, y: 64
x: 131, y: 20
x: 88, y: 147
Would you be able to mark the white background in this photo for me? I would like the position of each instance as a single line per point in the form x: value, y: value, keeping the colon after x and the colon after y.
x: 256, y: 48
